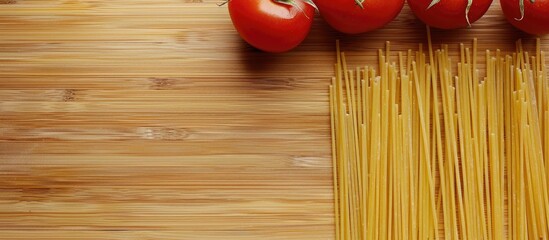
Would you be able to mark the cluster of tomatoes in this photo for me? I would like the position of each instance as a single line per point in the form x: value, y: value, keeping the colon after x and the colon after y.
x: 280, y: 25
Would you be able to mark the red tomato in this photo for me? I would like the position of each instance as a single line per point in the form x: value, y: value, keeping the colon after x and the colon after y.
x: 449, y: 14
x: 358, y: 16
x: 534, y: 19
x: 270, y: 25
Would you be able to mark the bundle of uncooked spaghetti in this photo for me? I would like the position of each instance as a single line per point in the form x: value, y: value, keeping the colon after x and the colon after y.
x: 424, y: 152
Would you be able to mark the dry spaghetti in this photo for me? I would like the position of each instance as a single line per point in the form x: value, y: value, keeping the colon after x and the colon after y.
x: 421, y: 151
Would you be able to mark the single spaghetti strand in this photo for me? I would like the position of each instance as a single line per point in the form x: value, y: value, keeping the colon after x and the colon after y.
x: 391, y: 234
x: 334, y: 160
x: 400, y: 181
x: 507, y: 94
x: 546, y: 130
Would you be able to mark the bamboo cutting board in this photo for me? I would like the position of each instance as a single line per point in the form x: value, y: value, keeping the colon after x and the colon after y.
x: 132, y: 119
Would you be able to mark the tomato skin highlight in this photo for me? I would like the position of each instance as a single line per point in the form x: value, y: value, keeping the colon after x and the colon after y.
x: 449, y: 14
x: 271, y: 26
x: 346, y: 15
x: 536, y: 15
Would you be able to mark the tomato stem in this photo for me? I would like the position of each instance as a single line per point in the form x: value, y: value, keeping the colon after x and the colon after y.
x: 469, y: 4
x: 312, y: 4
x: 294, y: 4
x: 360, y: 3
x: 467, y: 9
x: 433, y: 3
x: 521, y: 6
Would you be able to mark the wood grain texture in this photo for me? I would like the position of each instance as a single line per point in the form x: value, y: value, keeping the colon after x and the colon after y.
x: 154, y: 120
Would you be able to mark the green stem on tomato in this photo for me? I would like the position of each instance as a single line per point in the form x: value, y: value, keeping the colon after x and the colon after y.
x: 433, y: 3
x: 469, y: 4
x: 467, y: 9
x: 360, y: 3
x: 521, y: 7
x: 294, y: 4
x: 311, y: 3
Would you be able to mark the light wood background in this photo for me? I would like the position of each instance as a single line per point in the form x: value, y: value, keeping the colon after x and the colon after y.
x: 133, y: 119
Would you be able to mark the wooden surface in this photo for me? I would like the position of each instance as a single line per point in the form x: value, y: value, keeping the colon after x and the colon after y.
x: 132, y: 119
